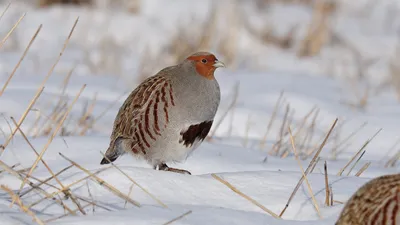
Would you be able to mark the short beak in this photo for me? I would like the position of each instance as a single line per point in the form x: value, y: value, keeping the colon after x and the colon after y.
x: 218, y: 64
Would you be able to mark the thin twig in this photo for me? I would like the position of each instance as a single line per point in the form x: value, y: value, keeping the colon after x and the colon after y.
x: 45, y: 181
x: 20, y: 60
x: 226, y: 183
x: 17, y: 175
x: 327, y: 193
x: 103, y: 183
x: 310, y: 167
x: 277, y: 146
x: 21, y: 205
x: 12, y: 30
x: 271, y: 121
x: 351, y: 135
x: 129, y: 194
x: 354, y: 165
x: 61, y: 53
x: 52, y: 136
x: 365, y: 167
x: 66, y: 187
x: 178, y: 218
x: 314, y: 165
x: 5, y: 10
x: 37, y: 154
x: 357, y: 153
x: 304, y: 175
x: 133, y: 181
x: 230, y: 107
x: 21, y: 120
x: 65, y: 214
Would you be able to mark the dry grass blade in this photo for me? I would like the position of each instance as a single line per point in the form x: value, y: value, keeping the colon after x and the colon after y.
x: 37, y: 154
x: 247, y: 129
x: 93, y: 203
x: 314, y: 165
x: 304, y: 175
x: 21, y: 205
x: 309, y: 130
x: 357, y: 153
x: 133, y: 181
x: 21, y: 120
x: 64, y: 215
x: 86, y: 117
x: 46, y: 180
x: 12, y: 30
x: 104, y: 183
x: 53, y: 135
x: 244, y: 195
x: 129, y: 194
x: 55, y: 111
x: 61, y: 53
x: 20, y: 60
x: 271, y: 121
x: 5, y: 10
x: 66, y: 187
x: 65, y: 190
x: 327, y: 189
x: 66, y: 81
x: 365, y: 167
x: 323, y: 142
x: 105, y: 110
x: 230, y: 107
x: 354, y: 165
x: 392, y: 161
x: 17, y: 175
x: 178, y: 218
x: 91, y: 196
x: 277, y: 146
x: 310, y: 167
x: 351, y: 135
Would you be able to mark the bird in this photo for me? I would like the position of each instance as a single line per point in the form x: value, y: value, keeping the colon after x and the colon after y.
x: 376, y: 202
x: 166, y: 117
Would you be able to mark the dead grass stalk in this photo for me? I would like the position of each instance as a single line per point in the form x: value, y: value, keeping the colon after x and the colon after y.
x: 21, y: 205
x: 234, y: 189
x: 358, y: 152
x: 304, y: 175
x: 21, y: 120
x: 103, y: 183
x: 310, y: 167
x: 178, y: 218
x: 12, y: 30
x: 134, y: 182
x: 20, y: 60
x: 53, y: 135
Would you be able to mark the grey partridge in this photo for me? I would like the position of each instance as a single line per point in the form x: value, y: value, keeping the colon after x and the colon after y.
x: 169, y: 114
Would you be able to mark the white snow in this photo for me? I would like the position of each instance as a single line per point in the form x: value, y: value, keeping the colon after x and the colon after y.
x: 233, y: 153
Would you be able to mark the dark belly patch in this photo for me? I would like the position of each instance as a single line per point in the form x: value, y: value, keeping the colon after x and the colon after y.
x: 195, y: 132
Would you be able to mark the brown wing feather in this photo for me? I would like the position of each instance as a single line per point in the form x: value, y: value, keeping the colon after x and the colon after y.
x: 139, y: 110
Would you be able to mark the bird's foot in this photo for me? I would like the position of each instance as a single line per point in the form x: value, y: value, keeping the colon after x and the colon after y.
x: 164, y: 167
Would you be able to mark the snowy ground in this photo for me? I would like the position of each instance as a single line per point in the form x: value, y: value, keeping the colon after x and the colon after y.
x: 233, y: 153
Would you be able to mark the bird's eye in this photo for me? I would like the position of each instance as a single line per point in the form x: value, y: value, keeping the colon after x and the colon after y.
x: 204, y: 61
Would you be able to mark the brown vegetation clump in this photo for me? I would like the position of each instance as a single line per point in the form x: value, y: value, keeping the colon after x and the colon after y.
x: 44, y: 3
x: 319, y: 29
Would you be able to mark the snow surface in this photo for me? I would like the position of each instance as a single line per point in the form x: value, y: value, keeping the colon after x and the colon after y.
x: 233, y: 153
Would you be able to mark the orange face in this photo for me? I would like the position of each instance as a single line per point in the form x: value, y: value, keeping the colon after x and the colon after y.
x: 206, y: 65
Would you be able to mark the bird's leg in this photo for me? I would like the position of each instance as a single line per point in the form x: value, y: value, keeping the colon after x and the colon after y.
x: 163, y: 166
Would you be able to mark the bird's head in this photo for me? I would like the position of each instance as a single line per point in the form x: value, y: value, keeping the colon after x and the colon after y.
x: 205, y: 64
